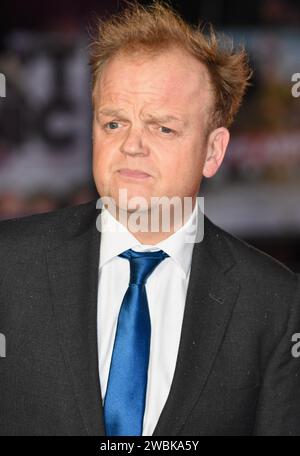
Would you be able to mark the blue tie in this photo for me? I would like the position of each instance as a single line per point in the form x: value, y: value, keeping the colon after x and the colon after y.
x: 124, y: 402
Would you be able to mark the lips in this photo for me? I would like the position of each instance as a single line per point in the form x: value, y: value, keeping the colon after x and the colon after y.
x: 133, y: 173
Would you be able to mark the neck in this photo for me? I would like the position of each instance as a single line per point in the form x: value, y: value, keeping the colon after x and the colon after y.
x: 155, y: 224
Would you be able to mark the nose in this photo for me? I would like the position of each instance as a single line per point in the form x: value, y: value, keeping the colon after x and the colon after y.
x: 133, y: 143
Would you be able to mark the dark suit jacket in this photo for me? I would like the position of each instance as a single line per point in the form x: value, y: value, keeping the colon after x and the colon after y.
x: 235, y: 374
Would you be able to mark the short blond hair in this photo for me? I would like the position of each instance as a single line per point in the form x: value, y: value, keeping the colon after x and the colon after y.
x: 157, y: 28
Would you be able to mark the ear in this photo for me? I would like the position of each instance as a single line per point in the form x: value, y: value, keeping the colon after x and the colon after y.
x: 216, y: 147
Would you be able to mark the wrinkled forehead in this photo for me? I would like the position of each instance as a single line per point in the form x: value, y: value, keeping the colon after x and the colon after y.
x: 173, y: 75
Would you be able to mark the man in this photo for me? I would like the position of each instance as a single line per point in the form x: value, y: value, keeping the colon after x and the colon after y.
x: 116, y: 331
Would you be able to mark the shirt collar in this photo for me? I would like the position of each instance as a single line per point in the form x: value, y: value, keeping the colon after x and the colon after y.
x: 115, y: 239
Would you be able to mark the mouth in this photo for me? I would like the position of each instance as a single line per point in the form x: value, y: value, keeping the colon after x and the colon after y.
x: 133, y: 173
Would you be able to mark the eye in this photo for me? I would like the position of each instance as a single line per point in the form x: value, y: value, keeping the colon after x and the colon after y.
x: 166, y: 130
x: 112, y: 125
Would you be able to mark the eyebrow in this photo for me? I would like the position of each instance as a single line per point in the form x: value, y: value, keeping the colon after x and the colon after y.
x: 110, y: 112
x: 163, y: 118
x: 150, y: 117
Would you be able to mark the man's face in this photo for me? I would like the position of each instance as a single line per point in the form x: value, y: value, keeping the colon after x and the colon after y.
x: 150, y: 115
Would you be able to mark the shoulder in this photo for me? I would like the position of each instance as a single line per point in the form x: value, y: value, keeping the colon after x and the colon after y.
x: 253, y: 267
x: 24, y: 237
x: 39, y: 224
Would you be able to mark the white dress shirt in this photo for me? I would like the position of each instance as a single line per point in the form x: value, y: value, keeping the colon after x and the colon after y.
x: 166, y: 289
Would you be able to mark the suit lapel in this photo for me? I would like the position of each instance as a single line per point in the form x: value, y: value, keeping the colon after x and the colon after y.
x: 210, y: 298
x: 73, y: 274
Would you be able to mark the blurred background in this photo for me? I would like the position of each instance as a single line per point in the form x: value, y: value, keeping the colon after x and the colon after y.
x: 45, y: 115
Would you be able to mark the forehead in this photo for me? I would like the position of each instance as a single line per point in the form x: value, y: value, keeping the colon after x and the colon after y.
x: 173, y: 77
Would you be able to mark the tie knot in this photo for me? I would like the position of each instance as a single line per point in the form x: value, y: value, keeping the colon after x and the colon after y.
x: 142, y: 264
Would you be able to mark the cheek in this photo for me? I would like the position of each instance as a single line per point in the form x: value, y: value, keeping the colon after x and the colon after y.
x: 103, y: 153
x: 100, y: 164
x: 187, y: 169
